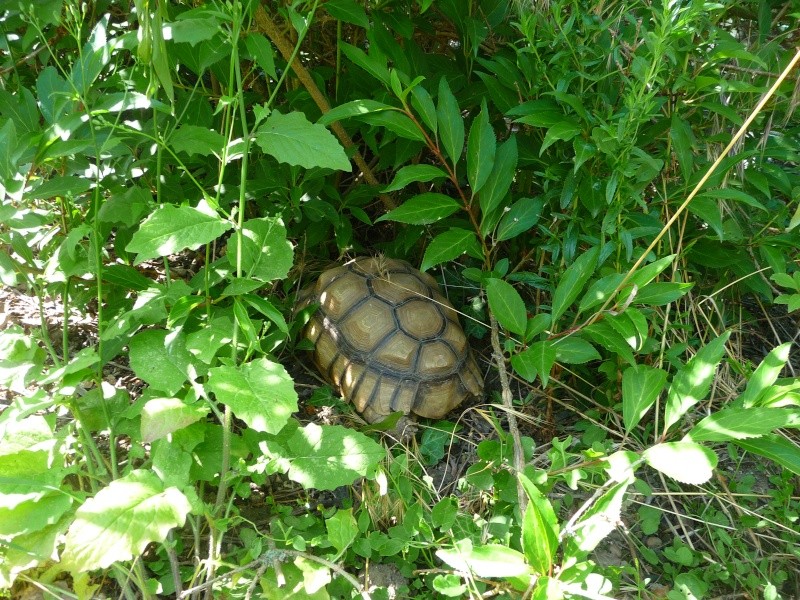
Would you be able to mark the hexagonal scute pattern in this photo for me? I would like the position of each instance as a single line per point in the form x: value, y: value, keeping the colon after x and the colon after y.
x: 389, y: 341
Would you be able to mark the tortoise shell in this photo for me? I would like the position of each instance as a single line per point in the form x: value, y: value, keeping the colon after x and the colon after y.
x: 389, y: 341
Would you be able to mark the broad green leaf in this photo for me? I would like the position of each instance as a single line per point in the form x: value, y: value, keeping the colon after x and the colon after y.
x: 600, y: 291
x: 34, y: 515
x: 444, y: 513
x: 162, y: 416
x: 376, y: 68
x: 347, y: 11
x: 192, y: 140
x: 742, y: 423
x: 539, y: 529
x: 583, y: 151
x: 27, y: 475
x: 735, y: 195
x: 294, y: 140
x: 692, y: 383
x: 571, y: 283
x: 544, y: 112
x: 660, y: 293
x: 686, y: 462
x: 30, y: 550
x: 520, y: 218
x: 261, y: 393
x: 451, y: 125
x: 412, y: 174
x: 9, y: 153
x: 266, y: 253
x: 776, y: 448
x: 641, y: 386
x: 604, y: 335
x: 396, y: 122
x: 67, y: 185
x: 423, y: 104
x: 237, y: 287
x: 765, y: 374
x: 481, y: 149
x: 536, y: 325
x: 53, y: 94
x: 261, y: 51
x: 486, y: 560
x: 564, y: 131
x: 598, y: 522
x: 356, y: 108
x: 631, y: 325
x: 574, y: 350
x: 326, y: 457
x: 707, y: 209
x: 423, y: 209
x: 342, y: 529
x: 161, y: 359
x: 207, y: 341
x: 171, y: 229
x: 450, y: 245
x: 507, y: 305
x: 538, y: 359
x: 121, y: 520
x: 499, y: 182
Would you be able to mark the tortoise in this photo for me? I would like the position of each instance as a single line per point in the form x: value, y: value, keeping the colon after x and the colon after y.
x: 387, y: 339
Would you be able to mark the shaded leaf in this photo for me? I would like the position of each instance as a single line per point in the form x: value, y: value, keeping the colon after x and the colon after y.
x: 266, y: 253
x: 776, y: 448
x: 356, y: 108
x: 163, y: 363
x: 572, y: 282
x: 450, y: 245
x: 192, y: 139
x: 574, y: 350
x: 538, y: 359
x: 413, y: 174
x: 451, y: 125
x: 348, y: 11
x: 481, y: 148
x: 520, y: 218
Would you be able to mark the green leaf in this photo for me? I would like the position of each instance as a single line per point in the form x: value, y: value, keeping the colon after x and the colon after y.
x: 347, y: 11
x: 373, y: 66
x: 326, y: 457
x: 34, y: 515
x: 486, y: 560
x: 9, y: 153
x: 423, y: 104
x: 451, y: 125
x: 499, y: 182
x: 481, y: 148
x: 682, y: 142
x: 30, y: 550
x: 261, y: 393
x: 342, y: 529
x: 539, y: 529
x: 707, y: 209
x: 396, y: 122
x: 641, y: 386
x: 686, y: 462
x: 598, y: 521
x: 602, y: 334
x: 259, y: 48
x: 538, y: 359
x: 61, y: 186
x: 536, y: 325
x: 735, y: 195
x: 631, y: 325
x: 693, y: 381
x: 444, y: 513
x: 171, y: 229
x: 564, y: 130
x: 423, y: 209
x: 507, y: 305
x: 412, y: 174
x: 647, y: 273
x: 163, y: 363
x: 121, y: 520
x: 742, y: 423
x: 572, y: 282
x: 765, y: 374
x: 266, y: 308
x: 294, y: 140
x: 192, y: 140
x: 600, y: 291
x: 356, y: 108
x: 450, y: 245
x: 266, y: 253
x: 583, y: 151
x: 660, y: 293
x: 776, y: 448
x: 162, y: 416
x: 574, y: 350
x: 520, y: 218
